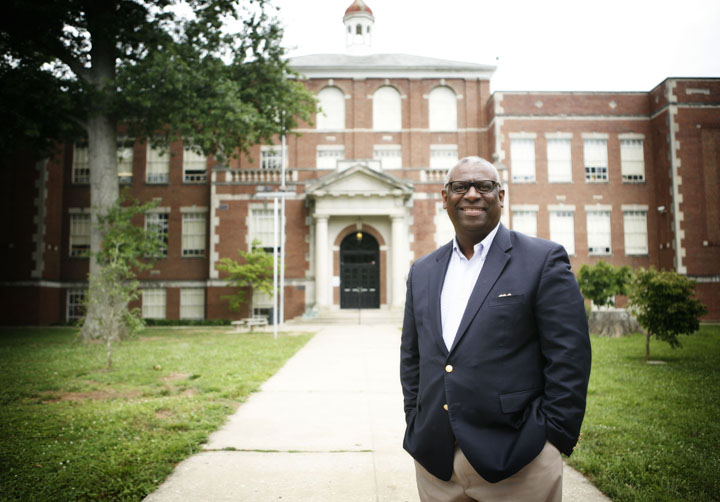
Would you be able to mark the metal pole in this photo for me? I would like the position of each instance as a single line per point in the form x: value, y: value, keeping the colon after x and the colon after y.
x: 275, y: 268
x: 282, y: 235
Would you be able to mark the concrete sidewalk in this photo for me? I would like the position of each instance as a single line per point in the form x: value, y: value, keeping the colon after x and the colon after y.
x: 327, y: 427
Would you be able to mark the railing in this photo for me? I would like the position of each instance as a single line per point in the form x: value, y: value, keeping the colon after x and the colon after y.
x: 433, y: 175
x: 254, y: 176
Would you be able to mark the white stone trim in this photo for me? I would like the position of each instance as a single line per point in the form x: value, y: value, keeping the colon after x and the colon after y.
x: 398, y: 131
x: 561, y: 207
x: 631, y: 135
x: 525, y: 207
x: 193, y: 209
x: 590, y: 208
x: 690, y: 90
x: 676, y: 179
x: 558, y: 135
x: 522, y: 135
x: 634, y: 207
x: 595, y: 135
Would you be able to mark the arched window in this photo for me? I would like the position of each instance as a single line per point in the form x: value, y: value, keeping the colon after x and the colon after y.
x: 443, y: 109
x: 331, y: 114
x: 386, y: 109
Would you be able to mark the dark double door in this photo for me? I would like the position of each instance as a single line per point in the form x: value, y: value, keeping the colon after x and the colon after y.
x: 359, y: 272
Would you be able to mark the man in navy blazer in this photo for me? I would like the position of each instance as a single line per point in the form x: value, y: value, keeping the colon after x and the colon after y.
x: 495, y: 354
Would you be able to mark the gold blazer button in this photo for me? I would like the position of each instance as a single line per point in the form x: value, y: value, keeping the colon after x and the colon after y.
x: 449, y: 368
x: 445, y: 407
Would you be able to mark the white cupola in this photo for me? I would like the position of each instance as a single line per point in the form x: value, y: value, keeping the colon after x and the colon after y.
x: 358, y: 21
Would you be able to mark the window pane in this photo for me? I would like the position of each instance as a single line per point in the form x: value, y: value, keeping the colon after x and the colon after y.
x: 192, y: 303
x: 390, y: 157
x: 157, y: 166
x: 636, y: 239
x: 79, y: 234
x: 194, y: 167
x: 331, y: 113
x: 386, y: 109
x: 271, y: 158
x: 632, y: 160
x: 525, y: 222
x: 598, y: 232
x: 522, y: 158
x: 193, y: 234
x: 81, y: 169
x: 596, y: 163
x: 327, y: 157
x: 262, y: 228
x: 443, y: 109
x: 153, y: 303
x: 443, y: 157
x: 562, y: 229
x: 75, y: 304
x: 559, y: 161
x: 158, y: 222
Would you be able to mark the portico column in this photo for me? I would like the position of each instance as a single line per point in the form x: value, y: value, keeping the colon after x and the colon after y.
x: 321, y: 261
x: 399, y: 264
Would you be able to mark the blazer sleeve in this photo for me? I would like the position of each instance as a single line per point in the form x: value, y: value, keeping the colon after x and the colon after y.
x: 565, y: 345
x: 409, y: 353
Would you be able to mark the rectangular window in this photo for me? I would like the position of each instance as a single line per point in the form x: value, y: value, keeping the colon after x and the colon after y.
x: 559, y: 161
x: 75, y: 304
x: 390, y: 156
x: 125, y: 160
x: 598, y: 232
x: 192, y: 303
x: 522, y: 158
x: 525, y: 222
x: 158, y: 223
x: 81, y: 168
x: 262, y: 228
x: 596, y: 160
x: 193, y: 234
x: 636, y: 233
x: 271, y: 158
x: 153, y: 303
x: 632, y: 160
x: 443, y: 156
x: 194, y: 167
x: 328, y: 156
x: 79, y: 234
x: 562, y: 229
x: 157, y: 166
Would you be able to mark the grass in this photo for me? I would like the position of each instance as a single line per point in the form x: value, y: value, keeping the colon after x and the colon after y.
x: 652, y: 431
x: 70, y: 430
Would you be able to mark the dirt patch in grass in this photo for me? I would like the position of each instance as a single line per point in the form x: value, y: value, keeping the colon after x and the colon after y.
x: 53, y: 397
x: 176, y: 377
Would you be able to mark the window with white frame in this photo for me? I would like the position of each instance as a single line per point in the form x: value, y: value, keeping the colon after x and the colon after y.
x: 80, y: 168
x: 192, y: 303
x: 632, y: 160
x: 525, y: 221
x: 442, y: 109
x: 157, y: 166
x: 79, y: 234
x: 157, y: 222
x: 194, y: 166
x: 562, y: 229
x: 154, y: 303
x: 331, y: 109
x: 387, y: 109
x: 636, y: 233
x: 390, y: 156
x: 262, y: 305
x: 262, y: 228
x: 559, y: 158
x: 271, y: 157
x: 125, y: 160
x: 596, y: 160
x: 75, y: 304
x: 444, y: 230
x: 443, y: 156
x: 328, y: 156
x: 193, y: 233
x: 598, y: 232
x: 522, y: 159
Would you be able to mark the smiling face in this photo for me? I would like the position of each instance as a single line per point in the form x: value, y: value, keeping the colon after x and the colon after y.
x: 473, y: 214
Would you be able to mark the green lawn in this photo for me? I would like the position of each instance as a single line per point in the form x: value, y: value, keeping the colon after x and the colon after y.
x: 652, y: 431
x: 72, y: 430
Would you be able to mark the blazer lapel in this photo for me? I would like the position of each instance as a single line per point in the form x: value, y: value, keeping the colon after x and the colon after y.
x: 434, y: 289
x: 495, y: 262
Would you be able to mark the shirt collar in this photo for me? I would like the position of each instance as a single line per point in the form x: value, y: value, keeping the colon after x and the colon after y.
x: 480, y: 248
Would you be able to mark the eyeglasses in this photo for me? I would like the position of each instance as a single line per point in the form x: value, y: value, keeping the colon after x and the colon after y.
x: 483, y: 186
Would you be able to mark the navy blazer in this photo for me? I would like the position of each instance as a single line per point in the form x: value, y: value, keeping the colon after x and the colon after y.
x: 517, y: 372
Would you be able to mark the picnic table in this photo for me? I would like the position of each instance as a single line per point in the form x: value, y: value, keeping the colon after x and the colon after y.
x: 250, y: 322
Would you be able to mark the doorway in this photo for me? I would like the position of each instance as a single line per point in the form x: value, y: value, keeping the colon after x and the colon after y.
x: 359, y: 272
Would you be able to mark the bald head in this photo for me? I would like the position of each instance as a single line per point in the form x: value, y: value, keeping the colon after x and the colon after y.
x: 472, y: 161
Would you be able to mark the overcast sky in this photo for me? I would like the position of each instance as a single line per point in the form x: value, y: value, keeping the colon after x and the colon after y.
x: 564, y: 45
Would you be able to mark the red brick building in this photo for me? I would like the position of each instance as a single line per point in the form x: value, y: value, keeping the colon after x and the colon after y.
x: 629, y: 178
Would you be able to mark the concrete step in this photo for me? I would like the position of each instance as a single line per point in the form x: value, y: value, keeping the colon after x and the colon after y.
x: 351, y: 316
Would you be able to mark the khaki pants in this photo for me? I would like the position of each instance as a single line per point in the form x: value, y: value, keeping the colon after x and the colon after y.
x: 539, y: 481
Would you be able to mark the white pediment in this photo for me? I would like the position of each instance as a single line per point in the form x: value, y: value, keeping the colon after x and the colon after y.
x: 358, y: 180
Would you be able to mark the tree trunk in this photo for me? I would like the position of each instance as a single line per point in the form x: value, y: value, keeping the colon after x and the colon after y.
x: 647, y: 346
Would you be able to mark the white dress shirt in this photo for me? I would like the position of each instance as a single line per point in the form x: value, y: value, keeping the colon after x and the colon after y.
x: 460, y: 279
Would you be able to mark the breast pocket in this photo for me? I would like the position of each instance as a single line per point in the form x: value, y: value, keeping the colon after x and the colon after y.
x: 511, y: 317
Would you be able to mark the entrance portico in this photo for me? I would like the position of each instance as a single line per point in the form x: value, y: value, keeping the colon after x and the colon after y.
x: 356, y: 203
